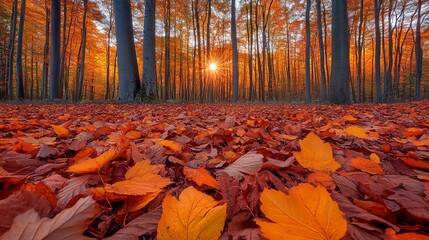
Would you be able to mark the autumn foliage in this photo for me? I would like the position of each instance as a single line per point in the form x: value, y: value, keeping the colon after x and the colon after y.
x: 124, y: 171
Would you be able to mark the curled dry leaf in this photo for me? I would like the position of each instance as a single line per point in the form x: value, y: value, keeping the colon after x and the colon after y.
x: 61, y: 131
x: 171, y: 145
x: 68, y: 224
x: 200, y: 176
x: 140, y: 179
x: 249, y: 163
x: 322, y: 179
x: 315, y: 154
x: 194, y: 215
x: 366, y: 165
x: 93, y: 165
x: 306, y: 213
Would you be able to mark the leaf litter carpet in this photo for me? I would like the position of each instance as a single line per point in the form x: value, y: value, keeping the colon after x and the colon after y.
x: 130, y: 171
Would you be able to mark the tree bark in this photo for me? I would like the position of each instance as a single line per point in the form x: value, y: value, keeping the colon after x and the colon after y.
x: 12, y: 49
x: 419, y: 54
x: 19, y: 75
x: 339, y: 88
x: 378, y: 92
x: 321, y: 50
x: 149, y: 55
x: 129, y: 83
x: 234, y: 53
x: 307, y: 52
x: 55, y: 59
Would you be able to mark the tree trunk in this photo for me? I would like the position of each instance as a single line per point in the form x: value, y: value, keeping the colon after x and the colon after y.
x: 321, y: 50
x: 419, y: 53
x: 167, y: 29
x: 378, y: 92
x: 129, y: 83
x: 64, y: 46
x: 55, y: 59
x: 46, y: 53
x: 339, y: 88
x: 149, y: 55
x: 19, y: 77
x: 109, y: 38
x: 234, y: 53
x: 12, y: 49
x: 80, y: 72
x: 307, y: 52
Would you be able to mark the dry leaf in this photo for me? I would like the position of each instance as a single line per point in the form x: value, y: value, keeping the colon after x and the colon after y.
x: 170, y: 144
x: 135, y: 203
x: 366, y: 165
x: 141, y: 179
x: 315, y: 154
x: 133, y: 135
x: 249, y: 163
x: 93, y: 165
x: 374, y: 157
x: 61, y: 131
x: 200, y: 176
x: 321, y: 179
x: 357, y: 132
x: 306, y: 213
x: 68, y: 224
x: 194, y: 215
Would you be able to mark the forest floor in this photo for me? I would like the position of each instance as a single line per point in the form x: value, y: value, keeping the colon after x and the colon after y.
x: 214, y: 171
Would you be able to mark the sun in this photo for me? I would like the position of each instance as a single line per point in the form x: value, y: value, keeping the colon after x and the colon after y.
x: 213, y: 67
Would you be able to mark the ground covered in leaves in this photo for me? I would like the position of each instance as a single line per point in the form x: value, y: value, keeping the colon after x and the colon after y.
x: 214, y: 171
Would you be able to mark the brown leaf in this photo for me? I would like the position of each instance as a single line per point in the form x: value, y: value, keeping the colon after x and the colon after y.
x: 70, y: 222
x: 247, y: 164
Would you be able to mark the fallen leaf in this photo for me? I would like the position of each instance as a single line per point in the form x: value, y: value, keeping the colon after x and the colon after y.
x: 200, y: 176
x: 306, y: 213
x: 366, y: 165
x: 61, y: 131
x: 249, y: 163
x: 194, y: 215
x: 374, y: 157
x: 322, y: 179
x: 408, y: 236
x: 135, y: 203
x: 315, y: 154
x: 357, y: 132
x: 415, y: 163
x: 350, y: 118
x: 140, y: 179
x: 170, y: 144
x: 372, y: 207
x: 144, y: 224
x: 92, y: 165
x: 133, y: 135
x: 413, y: 132
x: 70, y: 223
x: 71, y: 188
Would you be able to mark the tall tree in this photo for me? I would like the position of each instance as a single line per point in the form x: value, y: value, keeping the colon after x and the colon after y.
x: 55, y: 60
x: 45, y: 66
x: 378, y: 92
x: 419, y: 52
x: 109, y: 38
x: 307, y: 53
x: 234, y: 53
x: 80, y: 71
x: 19, y: 77
x: 321, y: 49
x: 12, y: 48
x: 129, y: 82
x: 339, y: 88
x: 167, y: 31
x: 149, y: 55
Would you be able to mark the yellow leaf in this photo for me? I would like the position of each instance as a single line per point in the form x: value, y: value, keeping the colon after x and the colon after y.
x: 366, y: 166
x: 306, y: 213
x: 133, y: 135
x: 374, y: 157
x: 200, y: 176
x: 92, y: 165
x: 140, y: 179
x: 413, y: 132
x: 194, y: 216
x: 315, y: 154
x: 321, y: 179
x: 357, y: 132
x: 349, y: 118
x: 61, y: 131
x: 170, y: 144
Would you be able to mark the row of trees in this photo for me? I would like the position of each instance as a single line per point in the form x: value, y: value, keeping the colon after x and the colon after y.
x: 265, y: 50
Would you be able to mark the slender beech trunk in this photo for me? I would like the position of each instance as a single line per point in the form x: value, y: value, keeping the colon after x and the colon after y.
x: 55, y: 59
x: 109, y: 38
x: 81, y: 66
x: 419, y: 53
x: 234, y: 53
x: 149, y: 55
x: 12, y: 49
x: 307, y: 53
x: 46, y: 53
x: 19, y: 75
x: 378, y: 92
x: 321, y: 50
